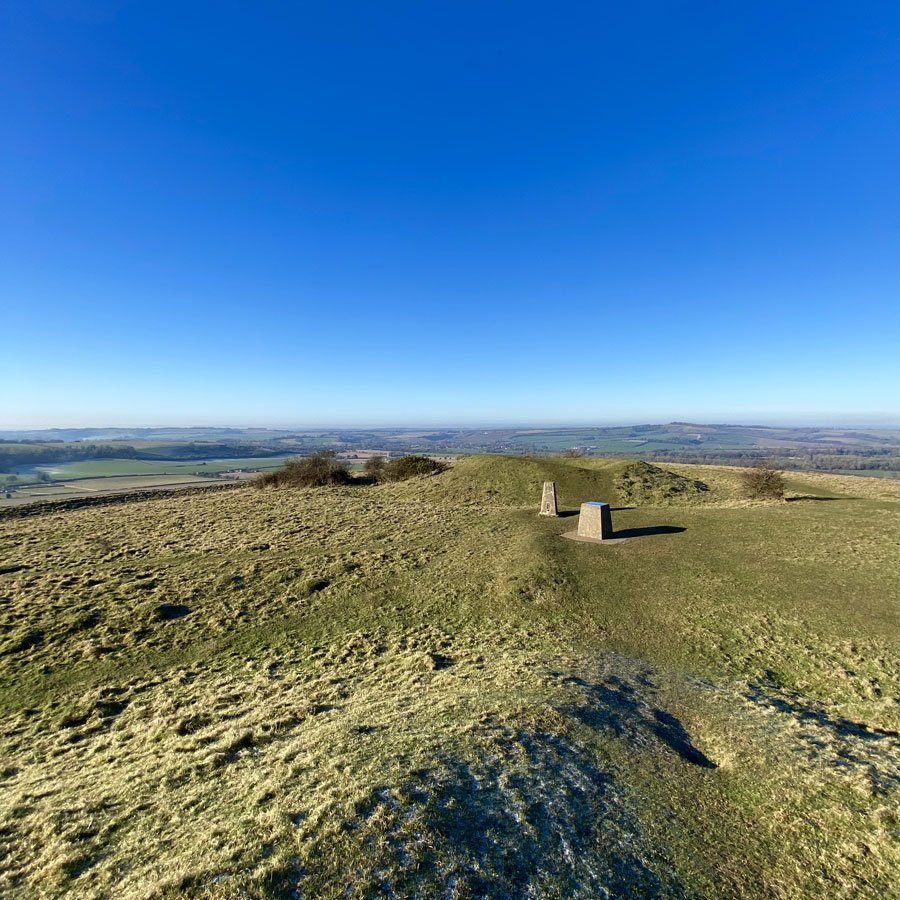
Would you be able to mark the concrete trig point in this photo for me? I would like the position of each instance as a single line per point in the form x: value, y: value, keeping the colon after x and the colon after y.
x: 595, y: 521
x: 548, y: 501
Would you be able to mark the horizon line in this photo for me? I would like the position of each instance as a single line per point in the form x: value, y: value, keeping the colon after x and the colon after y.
x: 887, y: 423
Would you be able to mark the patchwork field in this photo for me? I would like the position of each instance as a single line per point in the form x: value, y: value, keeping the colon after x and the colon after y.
x: 420, y: 689
x: 104, y: 468
x: 91, y: 487
x: 105, y: 476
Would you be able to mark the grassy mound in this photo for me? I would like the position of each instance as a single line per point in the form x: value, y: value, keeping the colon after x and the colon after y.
x: 641, y: 484
x: 517, y: 481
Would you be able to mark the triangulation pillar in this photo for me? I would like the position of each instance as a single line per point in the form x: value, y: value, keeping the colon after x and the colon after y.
x: 595, y: 521
x: 548, y: 501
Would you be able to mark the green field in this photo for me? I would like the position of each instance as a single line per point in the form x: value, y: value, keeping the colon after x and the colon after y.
x: 868, y: 473
x: 107, y: 484
x: 627, y: 440
x: 101, y: 468
x: 175, y: 451
x: 422, y: 689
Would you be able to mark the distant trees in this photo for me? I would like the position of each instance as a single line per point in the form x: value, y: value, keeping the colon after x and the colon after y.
x: 325, y: 468
x: 21, y: 453
x: 835, y: 460
x: 762, y: 483
x: 374, y: 467
x: 18, y: 453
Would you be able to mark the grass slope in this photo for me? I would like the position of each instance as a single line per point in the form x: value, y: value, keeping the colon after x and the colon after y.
x: 419, y: 689
x: 516, y: 480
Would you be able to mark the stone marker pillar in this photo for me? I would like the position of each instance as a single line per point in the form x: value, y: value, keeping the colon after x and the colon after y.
x: 595, y: 521
x: 548, y: 501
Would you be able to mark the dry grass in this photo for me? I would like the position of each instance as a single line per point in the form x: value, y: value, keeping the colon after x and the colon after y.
x: 402, y: 690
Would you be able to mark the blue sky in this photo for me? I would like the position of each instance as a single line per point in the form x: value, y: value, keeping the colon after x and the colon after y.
x: 449, y: 212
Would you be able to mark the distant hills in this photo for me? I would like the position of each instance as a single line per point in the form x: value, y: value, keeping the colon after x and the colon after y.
x: 827, y: 449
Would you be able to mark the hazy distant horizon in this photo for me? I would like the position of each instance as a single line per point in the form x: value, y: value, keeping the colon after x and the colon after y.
x: 871, y: 422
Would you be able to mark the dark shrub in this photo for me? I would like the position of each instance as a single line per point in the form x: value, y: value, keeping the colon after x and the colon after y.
x: 762, y: 483
x: 308, y: 471
x: 374, y: 467
x: 410, y: 466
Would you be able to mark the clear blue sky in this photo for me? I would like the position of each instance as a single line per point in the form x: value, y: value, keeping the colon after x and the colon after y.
x: 449, y: 212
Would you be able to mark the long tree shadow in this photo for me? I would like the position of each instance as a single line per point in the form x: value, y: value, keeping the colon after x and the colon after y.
x: 834, y: 741
x: 806, y: 712
x: 817, y: 499
x: 618, y: 706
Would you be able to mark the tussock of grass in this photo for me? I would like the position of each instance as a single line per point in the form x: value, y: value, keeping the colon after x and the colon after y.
x: 642, y: 484
x: 410, y: 466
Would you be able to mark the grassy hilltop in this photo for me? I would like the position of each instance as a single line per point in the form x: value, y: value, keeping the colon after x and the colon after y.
x: 420, y: 689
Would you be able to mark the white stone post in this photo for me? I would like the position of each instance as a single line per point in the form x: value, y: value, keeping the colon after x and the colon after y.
x: 548, y: 501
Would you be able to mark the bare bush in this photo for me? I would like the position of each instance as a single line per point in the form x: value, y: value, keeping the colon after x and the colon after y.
x: 308, y: 471
x: 762, y: 483
x: 374, y: 467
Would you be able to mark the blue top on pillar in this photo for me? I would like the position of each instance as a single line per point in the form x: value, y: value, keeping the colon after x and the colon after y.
x: 596, y: 503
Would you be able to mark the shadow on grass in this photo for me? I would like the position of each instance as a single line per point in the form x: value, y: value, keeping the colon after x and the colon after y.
x: 822, y: 499
x: 565, y: 514
x: 523, y: 813
x: 806, y: 712
x: 647, y: 531
x: 168, y: 612
x: 618, y: 706
x: 835, y: 741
